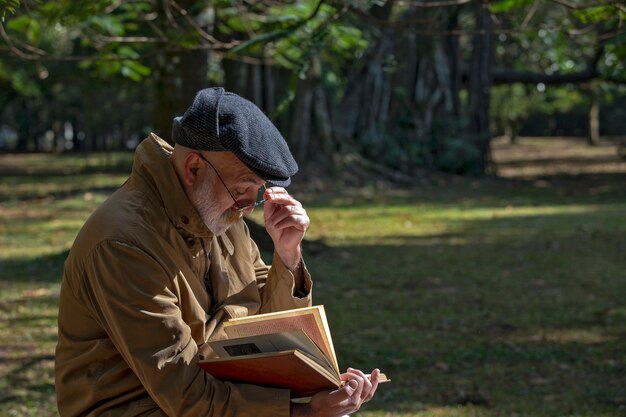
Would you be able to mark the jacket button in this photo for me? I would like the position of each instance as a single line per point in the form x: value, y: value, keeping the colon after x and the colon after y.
x: 184, y: 219
x: 191, y: 241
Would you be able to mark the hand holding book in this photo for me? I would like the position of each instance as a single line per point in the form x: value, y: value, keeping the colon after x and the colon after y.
x: 288, y: 349
x: 357, y: 389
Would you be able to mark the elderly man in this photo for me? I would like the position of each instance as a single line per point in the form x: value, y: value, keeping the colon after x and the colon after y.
x: 160, y: 265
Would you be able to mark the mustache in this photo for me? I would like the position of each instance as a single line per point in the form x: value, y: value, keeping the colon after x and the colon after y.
x: 232, y: 215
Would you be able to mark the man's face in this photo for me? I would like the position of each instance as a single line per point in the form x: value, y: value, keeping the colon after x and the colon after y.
x: 211, y: 210
x: 218, y: 201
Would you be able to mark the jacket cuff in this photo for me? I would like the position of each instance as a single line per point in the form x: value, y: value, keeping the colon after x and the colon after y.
x: 287, y: 279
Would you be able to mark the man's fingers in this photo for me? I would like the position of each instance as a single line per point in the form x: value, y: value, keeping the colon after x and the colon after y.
x: 355, y: 399
x: 344, y: 393
x: 277, y: 195
x: 374, y: 380
x: 289, y: 213
x: 298, y: 222
x: 283, y: 212
x: 279, y: 203
x: 367, y: 385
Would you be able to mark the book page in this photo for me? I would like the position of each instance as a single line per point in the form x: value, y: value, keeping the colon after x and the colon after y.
x: 274, y: 342
x: 312, y: 320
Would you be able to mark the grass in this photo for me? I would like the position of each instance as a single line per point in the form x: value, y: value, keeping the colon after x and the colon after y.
x: 43, y: 202
x: 492, y: 297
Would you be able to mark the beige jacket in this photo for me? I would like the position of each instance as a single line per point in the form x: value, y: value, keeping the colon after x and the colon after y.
x: 145, y: 285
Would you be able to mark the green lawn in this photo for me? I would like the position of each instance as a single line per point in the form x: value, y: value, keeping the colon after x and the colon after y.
x: 477, y: 297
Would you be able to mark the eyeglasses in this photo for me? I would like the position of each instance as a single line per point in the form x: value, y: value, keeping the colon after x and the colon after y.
x: 259, y: 199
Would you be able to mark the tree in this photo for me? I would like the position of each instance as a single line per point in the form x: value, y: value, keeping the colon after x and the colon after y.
x: 584, y: 45
x: 405, y: 84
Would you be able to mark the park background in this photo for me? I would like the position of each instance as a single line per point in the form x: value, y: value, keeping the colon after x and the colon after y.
x: 463, y: 163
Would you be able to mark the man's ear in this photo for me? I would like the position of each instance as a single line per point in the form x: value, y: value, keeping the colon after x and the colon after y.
x: 191, y: 168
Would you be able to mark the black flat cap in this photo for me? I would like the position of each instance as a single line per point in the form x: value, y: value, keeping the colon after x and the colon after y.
x: 223, y: 121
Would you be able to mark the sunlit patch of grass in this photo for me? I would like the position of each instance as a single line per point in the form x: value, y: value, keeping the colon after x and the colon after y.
x: 431, y: 221
x: 580, y: 336
x: 18, y: 187
x: 39, y: 227
x: 533, y: 157
x: 64, y: 164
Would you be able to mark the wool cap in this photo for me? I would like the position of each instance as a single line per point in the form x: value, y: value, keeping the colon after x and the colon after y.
x: 222, y: 121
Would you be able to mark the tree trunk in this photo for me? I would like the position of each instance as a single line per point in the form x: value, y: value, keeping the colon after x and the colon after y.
x: 358, y: 112
x: 594, y: 117
x: 180, y: 75
x: 24, y: 131
x: 323, y: 123
x: 479, y: 85
x: 300, y: 132
x: 455, y: 61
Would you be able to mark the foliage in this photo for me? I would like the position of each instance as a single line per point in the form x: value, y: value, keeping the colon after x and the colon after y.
x: 568, y: 37
x: 8, y: 6
x: 129, y: 45
x: 576, y: 39
x: 512, y: 104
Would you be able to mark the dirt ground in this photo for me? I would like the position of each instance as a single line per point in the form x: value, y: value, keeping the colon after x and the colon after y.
x: 570, y: 164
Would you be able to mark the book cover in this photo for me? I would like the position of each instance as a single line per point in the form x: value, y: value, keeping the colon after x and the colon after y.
x: 288, y: 369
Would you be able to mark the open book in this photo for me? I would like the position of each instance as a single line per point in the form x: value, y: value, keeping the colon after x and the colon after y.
x: 286, y: 349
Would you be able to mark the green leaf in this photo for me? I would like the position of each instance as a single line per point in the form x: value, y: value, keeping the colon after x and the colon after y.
x: 508, y: 5
x: 596, y: 14
x: 261, y: 39
x: 19, y: 24
x: 109, y: 24
x: 134, y: 70
x: 283, y: 19
x: 9, y: 6
x: 127, y: 52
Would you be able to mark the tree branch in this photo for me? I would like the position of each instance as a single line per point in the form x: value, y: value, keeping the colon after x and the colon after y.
x: 432, y: 4
x: 204, y: 34
x: 14, y: 49
x: 573, y: 6
x: 502, y: 76
x: 589, y: 73
x: 530, y: 14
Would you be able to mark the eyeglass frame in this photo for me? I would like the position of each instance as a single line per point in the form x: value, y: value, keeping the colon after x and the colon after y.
x: 239, y: 208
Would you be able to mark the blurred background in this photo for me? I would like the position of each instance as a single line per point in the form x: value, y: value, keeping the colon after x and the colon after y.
x: 407, y: 84
x: 463, y: 163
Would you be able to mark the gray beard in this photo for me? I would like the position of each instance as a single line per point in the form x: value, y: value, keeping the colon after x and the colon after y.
x: 208, y: 209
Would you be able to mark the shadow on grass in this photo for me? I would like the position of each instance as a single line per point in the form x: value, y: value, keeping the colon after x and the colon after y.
x: 55, y: 195
x: 23, y: 378
x: 572, y: 162
x: 562, y: 189
x: 527, y: 322
x: 43, y: 269
x: 515, y: 340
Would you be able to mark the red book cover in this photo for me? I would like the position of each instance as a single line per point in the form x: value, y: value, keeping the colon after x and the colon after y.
x: 288, y: 369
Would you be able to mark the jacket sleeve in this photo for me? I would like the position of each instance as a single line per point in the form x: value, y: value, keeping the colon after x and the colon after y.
x: 277, y: 283
x: 134, y: 298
